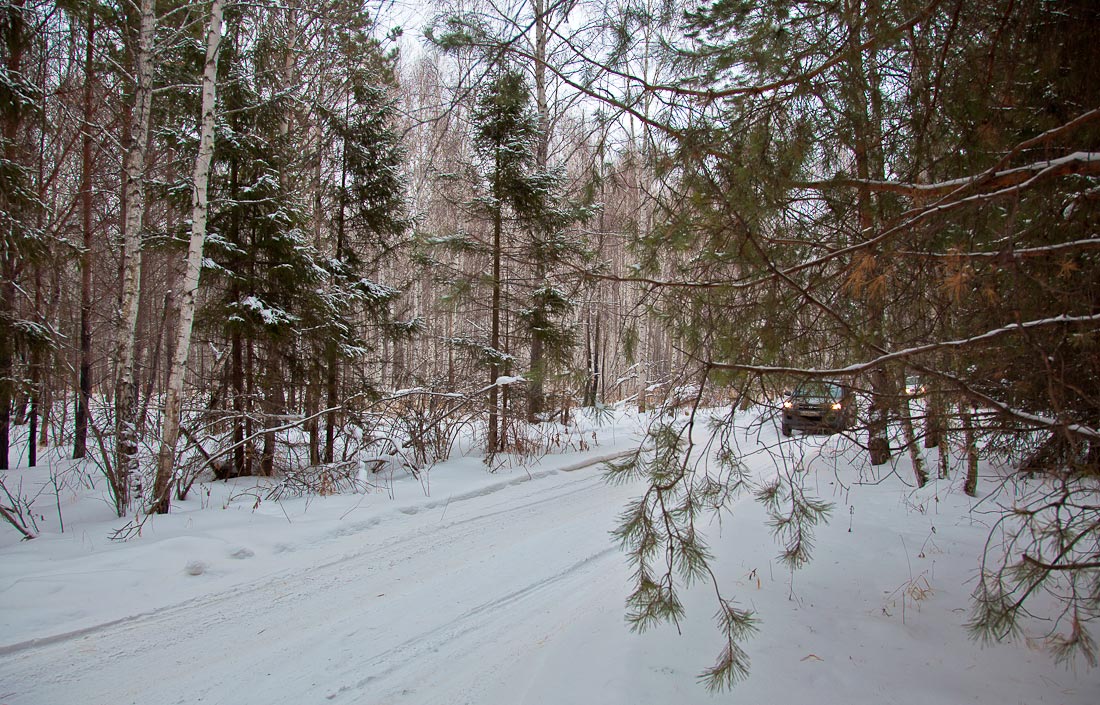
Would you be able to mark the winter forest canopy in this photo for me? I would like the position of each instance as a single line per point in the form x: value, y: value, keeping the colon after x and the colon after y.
x: 278, y: 237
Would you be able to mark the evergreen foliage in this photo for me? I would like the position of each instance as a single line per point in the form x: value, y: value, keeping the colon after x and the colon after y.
x: 844, y: 201
x: 517, y: 229
x: 869, y: 190
x: 22, y: 332
x: 658, y: 533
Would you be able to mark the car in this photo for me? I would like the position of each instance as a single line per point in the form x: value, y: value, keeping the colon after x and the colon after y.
x: 914, y: 387
x: 819, y: 405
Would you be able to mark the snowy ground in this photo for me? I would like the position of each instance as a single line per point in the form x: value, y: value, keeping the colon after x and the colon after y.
x: 498, y: 588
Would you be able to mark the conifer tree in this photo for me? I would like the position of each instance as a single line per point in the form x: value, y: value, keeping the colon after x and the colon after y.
x: 826, y: 220
x: 504, y: 127
x: 23, y: 241
x: 521, y: 205
x: 527, y: 39
x: 300, y: 232
x: 260, y: 261
x: 370, y: 213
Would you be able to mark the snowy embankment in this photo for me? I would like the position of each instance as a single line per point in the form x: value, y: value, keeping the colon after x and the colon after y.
x: 501, y: 588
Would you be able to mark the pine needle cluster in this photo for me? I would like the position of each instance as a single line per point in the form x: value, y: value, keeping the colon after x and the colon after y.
x: 658, y: 532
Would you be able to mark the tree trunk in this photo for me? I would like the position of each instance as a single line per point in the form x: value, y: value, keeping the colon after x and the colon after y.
x: 332, y: 377
x: 536, y: 383
x: 312, y: 426
x: 14, y: 36
x: 32, y: 430
x: 970, y: 486
x: 236, y: 375
x: 36, y: 380
x: 5, y: 394
x: 537, y: 376
x: 154, y: 365
x: 273, y: 405
x: 40, y: 411
x: 866, y: 146
x: 944, y: 451
x: 585, y: 399
x: 249, y: 397
x: 934, y: 420
x: 493, y: 441
x: 919, y: 470
x: 44, y: 408
x: 451, y: 313
x: 332, y: 394
x: 505, y: 391
x: 174, y: 397
x: 597, y: 369
x: 84, y: 394
x: 878, y: 441
x: 126, y: 445
x: 592, y: 361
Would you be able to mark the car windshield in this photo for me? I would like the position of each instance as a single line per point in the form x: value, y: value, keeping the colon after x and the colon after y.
x: 819, y: 390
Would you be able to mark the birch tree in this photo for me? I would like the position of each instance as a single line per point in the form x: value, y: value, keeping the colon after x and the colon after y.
x: 166, y: 457
x: 126, y: 436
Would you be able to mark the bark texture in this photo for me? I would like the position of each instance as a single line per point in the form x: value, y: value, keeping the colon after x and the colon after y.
x: 166, y: 458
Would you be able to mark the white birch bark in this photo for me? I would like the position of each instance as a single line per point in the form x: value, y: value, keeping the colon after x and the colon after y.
x: 126, y: 446
x: 166, y: 458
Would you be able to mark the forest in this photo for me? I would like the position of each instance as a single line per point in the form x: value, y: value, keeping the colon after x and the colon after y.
x: 293, y: 239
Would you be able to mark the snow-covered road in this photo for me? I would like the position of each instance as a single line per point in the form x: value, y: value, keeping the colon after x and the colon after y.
x: 435, y: 603
x: 507, y: 589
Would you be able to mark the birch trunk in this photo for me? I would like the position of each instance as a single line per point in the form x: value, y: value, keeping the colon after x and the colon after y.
x: 920, y: 472
x: 166, y: 458
x: 126, y: 445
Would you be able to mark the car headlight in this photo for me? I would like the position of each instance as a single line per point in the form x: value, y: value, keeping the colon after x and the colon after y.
x: 836, y: 406
x: 788, y: 404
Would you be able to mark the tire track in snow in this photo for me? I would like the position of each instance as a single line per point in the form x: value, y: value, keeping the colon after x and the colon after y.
x: 351, y: 529
x: 421, y: 553
x: 401, y: 655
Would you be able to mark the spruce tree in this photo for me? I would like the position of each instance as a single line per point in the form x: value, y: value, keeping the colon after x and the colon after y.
x: 258, y: 259
x: 23, y: 242
x: 300, y: 233
x: 370, y: 218
x: 523, y: 212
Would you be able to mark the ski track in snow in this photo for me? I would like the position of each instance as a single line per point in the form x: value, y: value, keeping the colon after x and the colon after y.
x: 361, y: 626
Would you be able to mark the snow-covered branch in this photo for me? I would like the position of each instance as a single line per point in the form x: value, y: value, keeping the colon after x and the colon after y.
x: 1080, y: 163
x: 861, y: 367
